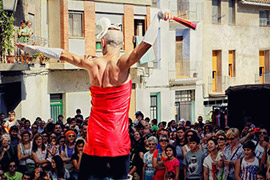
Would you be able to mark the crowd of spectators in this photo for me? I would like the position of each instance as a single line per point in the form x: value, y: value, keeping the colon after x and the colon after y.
x: 174, y: 150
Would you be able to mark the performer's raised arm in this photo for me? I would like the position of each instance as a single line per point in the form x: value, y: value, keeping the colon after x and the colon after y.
x: 55, y: 53
x: 150, y: 36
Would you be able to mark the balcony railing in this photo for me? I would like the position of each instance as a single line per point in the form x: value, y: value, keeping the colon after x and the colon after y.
x: 219, y: 84
x: 263, y: 78
x: 187, y: 10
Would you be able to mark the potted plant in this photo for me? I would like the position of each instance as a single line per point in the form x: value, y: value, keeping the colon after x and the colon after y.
x: 6, y: 33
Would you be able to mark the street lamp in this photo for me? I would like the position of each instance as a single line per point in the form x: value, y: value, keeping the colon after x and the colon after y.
x: 9, y: 5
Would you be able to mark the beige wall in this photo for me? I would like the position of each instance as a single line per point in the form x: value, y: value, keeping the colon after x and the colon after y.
x: 245, y: 37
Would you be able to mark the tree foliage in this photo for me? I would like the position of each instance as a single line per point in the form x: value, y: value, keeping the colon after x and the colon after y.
x: 6, y: 30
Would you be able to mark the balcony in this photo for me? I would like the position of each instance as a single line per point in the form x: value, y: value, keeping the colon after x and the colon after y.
x: 263, y: 78
x: 218, y: 84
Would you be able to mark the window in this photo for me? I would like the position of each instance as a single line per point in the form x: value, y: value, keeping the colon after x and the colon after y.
x: 216, y: 11
x: 216, y: 71
x: 232, y: 63
x: 116, y: 19
x: 264, y: 18
x: 56, y: 105
x: 153, y: 106
x: 231, y: 11
x: 264, y: 66
x: 184, y: 102
x: 75, y: 24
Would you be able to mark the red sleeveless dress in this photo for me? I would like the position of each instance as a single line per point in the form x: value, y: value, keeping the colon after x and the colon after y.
x: 108, y: 125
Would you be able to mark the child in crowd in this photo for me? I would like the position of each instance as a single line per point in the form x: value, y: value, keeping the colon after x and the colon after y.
x: 52, y: 149
x: 172, y: 163
x: 169, y: 176
x: 261, y: 175
x: 11, y: 121
x: 246, y: 167
x: 193, y: 160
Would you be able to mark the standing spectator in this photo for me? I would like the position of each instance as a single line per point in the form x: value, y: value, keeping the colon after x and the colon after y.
x: 139, y: 117
x: 7, y: 152
x: 200, y: 121
x: 11, y: 121
x: 23, y: 33
x: 15, y: 138
x: 39, y: 151
x: 12, y: 174
x: 154, y: 125
x: 259, y: 144
x: 193, y: 160
x: 27, y: 125
x: 34, y: 129
x: 58, y: 129
x: 41, y: 128
x: 188, y: 135
x: 148, y: 170
x: 247, y: 166
x: 172, y: 126
x: 58, y: 170
x: 24, y: 151
x: 68, y: 149
x: 78, y: 114
x: 232, y: 152
x: 210, y: 163
x: 77, y: 157
x: 172, y: 164
x: 83, y: 132
x: 30, y: 32
x: 2, y: 117
x: 60, y: 119
x: 159, y: 158
x: 179, y: 143
x: 221, y: 139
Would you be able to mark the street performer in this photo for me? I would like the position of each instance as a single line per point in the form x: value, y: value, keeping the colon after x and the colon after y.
x: 107, y: 148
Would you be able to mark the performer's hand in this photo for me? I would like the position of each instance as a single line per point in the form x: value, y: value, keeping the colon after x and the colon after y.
x: 21, y: 46
x: 167, y: 15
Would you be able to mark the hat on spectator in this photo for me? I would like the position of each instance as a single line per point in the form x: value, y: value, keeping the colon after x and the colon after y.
x: 70, y: 132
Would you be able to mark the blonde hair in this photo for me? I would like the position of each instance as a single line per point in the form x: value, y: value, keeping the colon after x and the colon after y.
x: 5, y: 136
x: 232, y: 132
x: 220, y: 133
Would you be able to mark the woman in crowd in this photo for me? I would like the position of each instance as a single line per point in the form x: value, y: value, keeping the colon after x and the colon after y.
x: 137, y: 153
x: 179, y: 143
x: 232, y: 152
x: 7, y: 152
x: 27, y: 125
x: 39, y: 150
x: 148, y: 170
x: 68, y: 149
x: 77, y: 157
x: 58, y: 170
x: 24, y: 151
x: 221, y: 139
x: 159, y: 158
x: 210, y: 163
x: 61, y: 142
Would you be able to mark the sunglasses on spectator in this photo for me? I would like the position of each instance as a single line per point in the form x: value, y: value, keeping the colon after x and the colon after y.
x: 151, y: 144
x: 12, y: 165
x: 71, y: 136
x: 264, y: 133
x: 221, y: 139
x: 230, y: 139
x: 164, y: 140
x: 189, y: 135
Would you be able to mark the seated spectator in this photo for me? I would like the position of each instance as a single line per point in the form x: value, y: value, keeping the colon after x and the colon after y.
x: 7, y: 152
x: 52, y: 148
x: 34, y: 129
x: 27, y: 125
x: 12, y: 174
x: 58, y: 170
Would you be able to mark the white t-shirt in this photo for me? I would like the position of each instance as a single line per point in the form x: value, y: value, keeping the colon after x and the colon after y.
x: 259, y: 150
x: 248, y: 169
x: 208, y: 164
